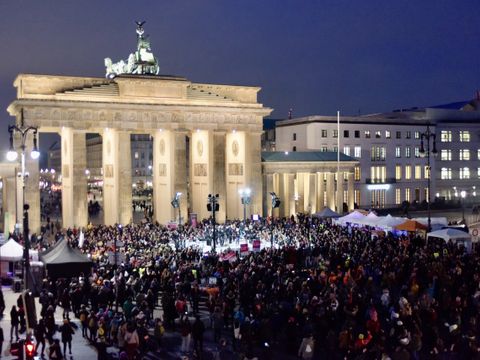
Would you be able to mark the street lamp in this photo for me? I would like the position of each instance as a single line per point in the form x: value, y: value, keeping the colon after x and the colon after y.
x: 463, y: 194
x: 246, y: 199
x: 12, y: 155
x: 213, y: 206
x: 427, y: 136
x: 176, y: 205
x: 275, y: 204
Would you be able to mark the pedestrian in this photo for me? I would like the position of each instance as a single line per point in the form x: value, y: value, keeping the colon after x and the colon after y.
x: 84, y: 320
x: 54, y: 352
x: 198, y: 328
x: 217, y: 324
x: 40, y: 333
x: 92, y: 326
x: 14, y: 321
x: 67, y: 331
x: 306, y: 347
x: 131, y: 341
x: 185, y: 330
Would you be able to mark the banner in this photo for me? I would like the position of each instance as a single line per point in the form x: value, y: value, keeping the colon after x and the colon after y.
x: 256, y: 245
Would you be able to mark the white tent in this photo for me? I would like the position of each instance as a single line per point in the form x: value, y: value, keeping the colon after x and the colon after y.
x: 389, y: 221
x: 326, y: 213
x: 11, y: 251
x: 457, y: 236
x: 353, y: 217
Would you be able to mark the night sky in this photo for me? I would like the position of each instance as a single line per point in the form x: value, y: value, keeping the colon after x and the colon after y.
x: 314, y: 56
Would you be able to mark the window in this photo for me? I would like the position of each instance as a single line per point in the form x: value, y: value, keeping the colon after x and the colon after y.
x: 335, y: 134
x: 398, y: 172
x: 416, y: 134
x: 416, y: 150
x: 378, y: 134
x: 294, y: 148
x: 478, y: 154
x: 378, y: 153
x: 418, y: 172
x: 398, y: 196
x: 357, y: 173
x: 367, y: 134
x: 387, y: 134
x: 446, y: 136
x: 426, y: 172
x: 408, y: 172
x: 398, y: 152
x: 357, y: 152
x: 324, y: 148
x: 446, y: 155
x: 408, y: 135
x: 335, y: 149
x: 324, y: 133
x: 464, y: 173
x: 407, y: 152
x: 294, y: 136
x: 464, y: 154
x: 357, y: 133
x: 407, y: 194
x: 464, y: 136
x: 478, y: 172
x: 398, y: 135
x: 446, y: 173
x: 346, y: 133
x: 136, y: 154
x: 378, y: 174
x: 143, y: 156
x: 346, y: 150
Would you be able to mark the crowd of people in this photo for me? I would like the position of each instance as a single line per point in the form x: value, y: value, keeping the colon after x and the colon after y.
x: 323, y: 291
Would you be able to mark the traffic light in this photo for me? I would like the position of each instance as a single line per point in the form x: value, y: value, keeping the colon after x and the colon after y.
x: 29, y: 350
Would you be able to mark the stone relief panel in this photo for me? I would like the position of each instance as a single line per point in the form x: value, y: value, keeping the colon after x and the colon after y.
x: 200, y: 147
x: 161, y: 147
x: 235, y: 148
x: 235, y: 169
x: 162, y: 169
x: 200, y: 169
x: 109, y: 171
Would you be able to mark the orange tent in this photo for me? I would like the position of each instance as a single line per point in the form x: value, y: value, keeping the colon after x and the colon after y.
x: 411, y: 225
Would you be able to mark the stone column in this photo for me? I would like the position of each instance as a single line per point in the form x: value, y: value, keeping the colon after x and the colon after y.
x: 320, y: 191
x: 219, y: 180
x: 351, y: 191
x: 74, y: 179
x: 331, y: 190
x: 311, y: 193
x: 290, y: 193
x: 164, y: 176
x: 301, y: 207
x: 253, y: 162
x: 9, y: 205
x: 277, y: 189
x: 32, y: 190
x: 117, y: 177
x: 269, y: 187
x: 340, y: 181
x: 181, y: 175
x: 201, y: 170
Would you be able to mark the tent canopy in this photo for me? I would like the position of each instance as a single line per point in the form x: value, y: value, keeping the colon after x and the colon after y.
x: 327, y: 213
x: 11, y: 251
x: 411, y: 225
x: 64, y: 261
x: 450, y: 234
x: 390, y: 221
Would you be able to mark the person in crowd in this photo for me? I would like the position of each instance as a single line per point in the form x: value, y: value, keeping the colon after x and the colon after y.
x: 66, y: 332
x: 14, y: 322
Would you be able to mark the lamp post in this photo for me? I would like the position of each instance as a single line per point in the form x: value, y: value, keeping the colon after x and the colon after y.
x: 12, y: 155
x: 246, y: 199
x: 275, y: 204
x: 213, y: 206
x: 463, y: 194
x: 427, y: 136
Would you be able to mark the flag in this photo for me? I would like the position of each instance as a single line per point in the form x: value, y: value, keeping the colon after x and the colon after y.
x: 81, y: 239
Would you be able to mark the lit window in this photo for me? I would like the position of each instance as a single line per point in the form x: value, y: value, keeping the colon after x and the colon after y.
x: 417, y: 151
x: 426, y: 172
x: 136, y: 154
x: 408, y: 135
x: 478, y: 172
x: 387, y: 134
x: 398, y: 172
x: 478, y: 154
x: 335, y: 134
x: 408, y: 172
x: 464, y: 136
x: 464, y: 154
x: 367, y: 134
x: 324, y: 148
x: 446, y: 155
x: 378, y: 153
x: 407, y: 152
x: 417, y: 135
x: 357, y: 173
x: 446, y: 173
x: 357, y: 152
x: 398, y: 196
x: 464, y: 173
x: 418, y: 172
x: 446, y: 136
x: 346, y: 150
x: 398, y: 152
x: 378, y: 134
x: 407, y: 194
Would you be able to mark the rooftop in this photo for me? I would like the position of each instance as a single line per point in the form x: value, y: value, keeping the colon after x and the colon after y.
x: 303, y: 156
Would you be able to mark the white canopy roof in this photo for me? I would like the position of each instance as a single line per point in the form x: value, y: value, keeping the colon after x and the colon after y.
x: 353, y: 217
x: 450, y: 234
x: 11, y: 251
x: 390, y: 221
